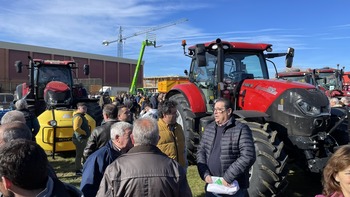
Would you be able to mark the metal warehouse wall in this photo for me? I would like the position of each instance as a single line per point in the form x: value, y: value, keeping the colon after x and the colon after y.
x: 104, y: 70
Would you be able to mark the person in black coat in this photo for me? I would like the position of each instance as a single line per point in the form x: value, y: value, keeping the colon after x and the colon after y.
x: 102, y: 134
x: 226, y: 149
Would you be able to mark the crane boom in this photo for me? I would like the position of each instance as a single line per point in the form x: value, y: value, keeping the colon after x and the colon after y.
x: 121, y: 38
x: 156, y: 28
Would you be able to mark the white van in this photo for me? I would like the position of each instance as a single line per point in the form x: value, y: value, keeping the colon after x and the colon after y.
x: 113, y: 91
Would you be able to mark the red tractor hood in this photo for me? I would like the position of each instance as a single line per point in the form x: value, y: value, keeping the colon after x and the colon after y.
x: 260, y: 94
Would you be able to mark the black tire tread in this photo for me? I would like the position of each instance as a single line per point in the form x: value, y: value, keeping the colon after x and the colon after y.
x: 188, y: 126
x: 270, y: 165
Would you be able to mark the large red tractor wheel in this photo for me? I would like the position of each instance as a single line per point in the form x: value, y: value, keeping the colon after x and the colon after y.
x: 186, y: 120
x: 268, y: 173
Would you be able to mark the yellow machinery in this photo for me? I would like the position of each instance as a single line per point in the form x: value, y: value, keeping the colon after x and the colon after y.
x: 56, y: 130
x: 166, y: 85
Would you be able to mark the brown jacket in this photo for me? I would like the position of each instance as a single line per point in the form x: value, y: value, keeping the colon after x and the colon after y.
x: 172, y: 143
x: 144, y: 171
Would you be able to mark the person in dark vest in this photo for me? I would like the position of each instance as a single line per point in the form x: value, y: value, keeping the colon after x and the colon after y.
x: 80, y: 135
x: 31, y: 120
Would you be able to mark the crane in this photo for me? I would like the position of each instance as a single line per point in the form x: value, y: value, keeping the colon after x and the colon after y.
x: 121, y: 38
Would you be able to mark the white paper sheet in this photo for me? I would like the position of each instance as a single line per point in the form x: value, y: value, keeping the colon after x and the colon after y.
x: 219, y: 188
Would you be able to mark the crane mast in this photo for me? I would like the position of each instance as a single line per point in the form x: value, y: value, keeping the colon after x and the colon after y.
x: 121, y: 38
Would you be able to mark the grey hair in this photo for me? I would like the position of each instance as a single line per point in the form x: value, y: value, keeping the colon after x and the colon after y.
x: 21, y: 104
x: 145, y: 131
x: 118, y: 129
x: 13, y: 115
x: 345, y: 100
x: 15, y: 130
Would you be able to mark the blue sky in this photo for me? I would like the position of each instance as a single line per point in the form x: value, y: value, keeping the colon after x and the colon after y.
x: 318, y: 30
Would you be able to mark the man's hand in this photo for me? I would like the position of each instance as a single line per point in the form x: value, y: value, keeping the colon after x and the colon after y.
x: 225, y: 183
x: 208, y: 179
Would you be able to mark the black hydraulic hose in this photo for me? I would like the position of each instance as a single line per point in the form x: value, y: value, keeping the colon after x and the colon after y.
x: 346, y: 116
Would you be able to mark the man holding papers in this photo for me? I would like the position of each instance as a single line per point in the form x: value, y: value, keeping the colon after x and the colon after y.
x: 227, y: 151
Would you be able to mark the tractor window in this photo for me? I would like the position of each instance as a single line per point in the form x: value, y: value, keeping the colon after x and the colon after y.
x: 252, y: 64
x: 54, y: 73
x: 243, y: 63
x: 204, y: 74
x: 327, y: 80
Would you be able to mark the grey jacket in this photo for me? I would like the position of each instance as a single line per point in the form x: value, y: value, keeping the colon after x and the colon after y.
x: 144, y: 171
x: 237, y: 152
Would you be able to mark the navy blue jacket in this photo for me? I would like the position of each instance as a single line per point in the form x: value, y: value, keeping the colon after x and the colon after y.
x: 237, y: 152
x: 95, y: 166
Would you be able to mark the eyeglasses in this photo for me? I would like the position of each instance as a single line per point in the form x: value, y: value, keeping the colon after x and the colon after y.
x: 221, y: 110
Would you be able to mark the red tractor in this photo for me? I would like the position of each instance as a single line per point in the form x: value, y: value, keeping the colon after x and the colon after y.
x: 304, y: 76
x: 52, y: 95
x: 288, y: 119
x: 346, y: 81
x: 332, y: 80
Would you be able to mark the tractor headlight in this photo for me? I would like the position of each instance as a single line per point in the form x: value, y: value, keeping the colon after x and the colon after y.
x: 53, y: 123
x: 307, y: 108
x: 52, y: 101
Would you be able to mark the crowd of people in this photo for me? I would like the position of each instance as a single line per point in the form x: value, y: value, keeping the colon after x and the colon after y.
x: 140, y: 154
x: 129, y: 154
x: 339, y: 102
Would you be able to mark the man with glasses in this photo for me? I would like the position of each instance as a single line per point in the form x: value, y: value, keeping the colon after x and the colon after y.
x: 226, y: 150
x: 172, y: 138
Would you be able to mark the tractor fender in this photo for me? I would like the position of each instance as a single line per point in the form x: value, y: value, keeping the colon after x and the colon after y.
x: 193, y: 95
x: 250, y: 114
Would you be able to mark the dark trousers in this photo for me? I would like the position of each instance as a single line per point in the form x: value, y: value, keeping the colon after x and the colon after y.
x: 80, y: 144
x: 240, y: 193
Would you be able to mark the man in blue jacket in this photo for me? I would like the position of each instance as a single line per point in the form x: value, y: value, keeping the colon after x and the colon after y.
x: 96, y: 163
x: 226, y: 150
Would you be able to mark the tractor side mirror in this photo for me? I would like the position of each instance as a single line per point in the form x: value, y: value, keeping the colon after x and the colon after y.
x: 200, y: 55
x: 289, y: 57
x: 86, y: 69
x: 18, y: 65
x: 186, y: 72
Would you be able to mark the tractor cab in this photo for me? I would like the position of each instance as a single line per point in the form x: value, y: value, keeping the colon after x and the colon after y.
x: 329, y: 78
x: 295, y: 74
x: 50, y: 84
x: 218, y: 68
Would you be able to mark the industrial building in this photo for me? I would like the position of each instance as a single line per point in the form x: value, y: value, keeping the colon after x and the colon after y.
x: 104, y: 70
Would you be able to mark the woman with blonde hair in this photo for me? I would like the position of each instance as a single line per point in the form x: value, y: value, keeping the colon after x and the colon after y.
x: 336, y: 174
